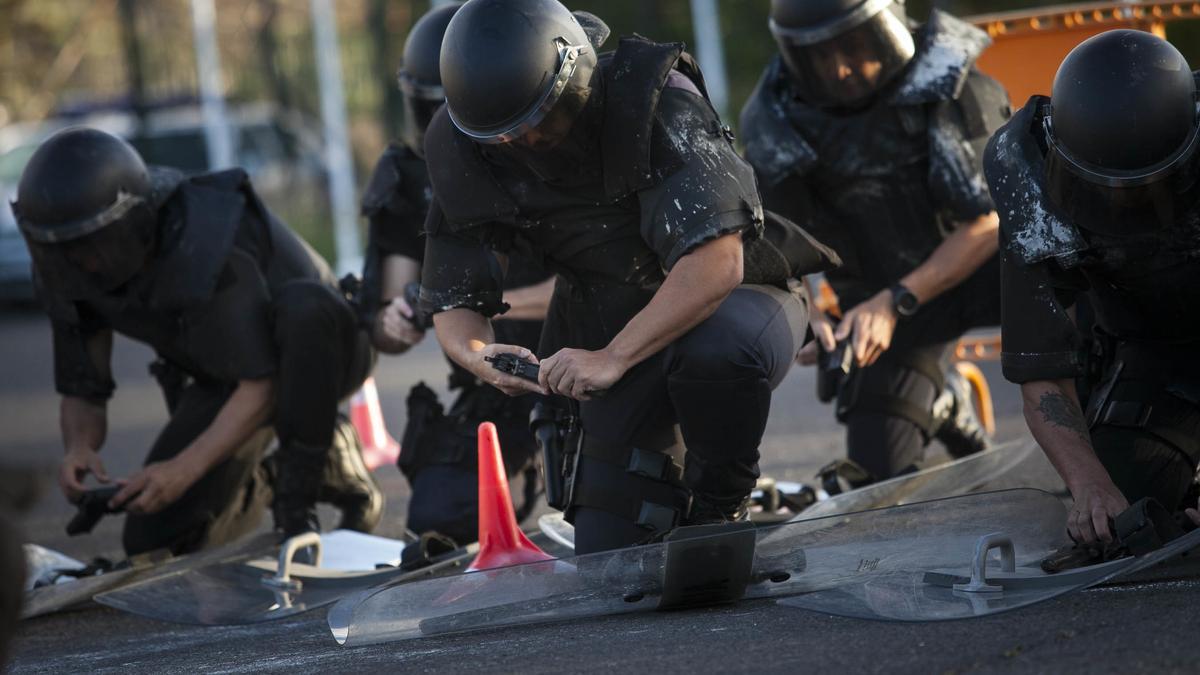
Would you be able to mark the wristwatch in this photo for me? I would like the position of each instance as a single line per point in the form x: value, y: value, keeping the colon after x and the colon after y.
x: 903, y: 301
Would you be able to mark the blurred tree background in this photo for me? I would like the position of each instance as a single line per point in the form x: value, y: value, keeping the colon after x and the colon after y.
x: 70, y: 54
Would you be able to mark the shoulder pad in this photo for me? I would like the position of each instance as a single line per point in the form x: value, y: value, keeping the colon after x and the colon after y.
x: 773, y: 146
x: 164, y: 180
x: 201, y: 230
x: 456, y: 168
x: 634, y: 80
x: 984, y: 105
x: 594, y: 27
x: 384, y: 181
x: 946, y: 50
x: 1031, y: 228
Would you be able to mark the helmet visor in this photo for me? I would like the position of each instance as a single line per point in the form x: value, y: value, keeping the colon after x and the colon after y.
x: 99, y: 262
x: 850, y: 67
x: 1120, y: 202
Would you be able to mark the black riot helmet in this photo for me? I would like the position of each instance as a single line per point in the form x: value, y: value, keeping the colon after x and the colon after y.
x: 420, y: 76
x: 516, y: 69
x: 841, y: 52
x: 85, y: 207
x: 1121, y: 133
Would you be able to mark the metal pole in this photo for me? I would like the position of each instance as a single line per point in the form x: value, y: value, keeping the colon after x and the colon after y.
x: 337, y: 140
x: 217, y: 137
x: 710, y: 51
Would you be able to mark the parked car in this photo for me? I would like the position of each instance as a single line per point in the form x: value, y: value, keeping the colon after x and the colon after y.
x: 280, y: 149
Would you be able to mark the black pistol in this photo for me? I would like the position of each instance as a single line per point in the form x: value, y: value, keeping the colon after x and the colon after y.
x: 514, y: 365
x: 412, y: 295
x: 832, y: 368
x: 91, y: 506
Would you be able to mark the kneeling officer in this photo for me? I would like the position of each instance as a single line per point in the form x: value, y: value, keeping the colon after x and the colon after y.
x: 250, y: 329
x: 1098, y: 201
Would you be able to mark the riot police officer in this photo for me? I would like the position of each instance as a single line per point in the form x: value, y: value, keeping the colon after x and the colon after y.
x: 1098, y: 195
x: 871, y: 136
x: 254, y: 341
x: 439, y: 446
x: 671, y: 312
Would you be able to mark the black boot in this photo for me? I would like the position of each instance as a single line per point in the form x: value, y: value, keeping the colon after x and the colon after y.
x: 705, y: 511
x: 955, y: 423
x: 347, y: 483
x: 296, y: 471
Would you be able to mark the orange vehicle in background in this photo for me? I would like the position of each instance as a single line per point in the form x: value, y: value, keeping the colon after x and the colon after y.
x: 1029, y: 44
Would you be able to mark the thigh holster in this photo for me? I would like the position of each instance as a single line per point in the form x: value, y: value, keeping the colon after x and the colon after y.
x: 642, y: 486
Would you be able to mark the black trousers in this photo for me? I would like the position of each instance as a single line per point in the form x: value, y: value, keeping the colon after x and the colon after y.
x: 714, y: 385
x: 323, y: 358
x: 877, y: 437
x: 1145, y: 424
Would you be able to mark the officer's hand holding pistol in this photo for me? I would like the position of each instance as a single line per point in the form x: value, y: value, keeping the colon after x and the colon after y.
x: 483, y: 368
x: 76, y: 465
x: 870, y: 326
x: 580, y: 374
x: 156, y: 486
x: 395, y: 329
x: 822, y: 329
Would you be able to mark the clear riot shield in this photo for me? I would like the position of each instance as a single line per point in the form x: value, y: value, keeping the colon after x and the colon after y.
x: 782, y: 560
x: 991, y: 584
x: 48, y: 599
x: 252, y: 585
x: 945, y: 480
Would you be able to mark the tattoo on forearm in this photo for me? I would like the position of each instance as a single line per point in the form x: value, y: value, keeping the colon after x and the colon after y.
x: 1062, y: 412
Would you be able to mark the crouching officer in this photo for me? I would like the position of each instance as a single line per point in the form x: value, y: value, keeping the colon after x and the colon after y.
x: 1098, y: 195
x: 671, y: 312
x: 439, y: 446
x: 252, y: 335
x: 872, y: 136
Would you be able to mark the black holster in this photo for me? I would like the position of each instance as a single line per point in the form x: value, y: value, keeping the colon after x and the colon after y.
x: 558, y: 435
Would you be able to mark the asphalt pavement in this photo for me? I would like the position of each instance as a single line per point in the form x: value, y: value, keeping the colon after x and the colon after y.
x: 1145, y: 625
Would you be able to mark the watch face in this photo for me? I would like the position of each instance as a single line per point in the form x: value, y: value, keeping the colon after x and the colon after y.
x: 905, y: 302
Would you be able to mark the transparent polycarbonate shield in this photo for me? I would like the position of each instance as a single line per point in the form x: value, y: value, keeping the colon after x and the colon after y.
x: 51, y: 599
x: 787, y: 559
x: 554, y: 526
x: 919, y: 592
x: 945, y: 480
x: 263, y: 585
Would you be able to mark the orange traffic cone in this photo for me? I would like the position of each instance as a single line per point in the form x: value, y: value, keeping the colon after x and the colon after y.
x: 501, y: 541
x: 379, y: 448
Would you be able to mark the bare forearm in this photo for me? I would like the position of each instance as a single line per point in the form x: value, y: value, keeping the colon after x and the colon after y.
x: 955, y: 259
x: 461, y: 332
x: 529, y: 303
x: 246, y: 410
x: 692, y: 291
x: 1054, y: 417
x: 84, y: 424
x: 398, y: 272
